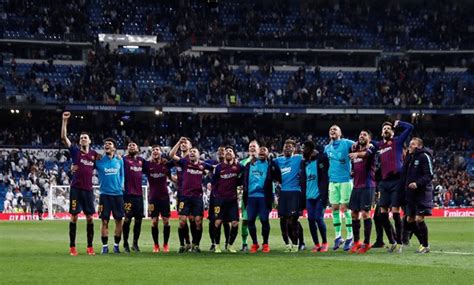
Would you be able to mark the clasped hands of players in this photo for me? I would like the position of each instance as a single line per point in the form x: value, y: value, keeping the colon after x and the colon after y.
x: 413, y: 186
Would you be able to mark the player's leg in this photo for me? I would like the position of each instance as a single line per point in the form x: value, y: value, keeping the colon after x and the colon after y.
x: 252, y: 211
x: 155, y: 233
x: 137, y: 226
x: 183, y: 211
x: 346, y: 191
x: 232, y: 213
x: 384, y: 204
x: 212, y: 221
x: 128, y: 207
x: 89, y: 211
x: 72, y: 235
x: 378, y: 228
x: 313, y: 228
x: 264, y: 219
x: 334, y: 198
x: 218, y: 216
x: 197, y: 211
x: 319, y: 215
x: 105, y: 210
x: 165, y: 216
x: 74, y: 210
x: 367, y: 199
x: 282, y: 213
x: 293, y: 216
x: 244, y: 227
x: 301, y: 244
x: 354, y: 206
x: 185, y: 230
x: 118, y: 214
x: 226, y: 227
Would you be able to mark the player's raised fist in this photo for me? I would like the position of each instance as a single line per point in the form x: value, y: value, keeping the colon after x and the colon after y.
x: 66, y: 115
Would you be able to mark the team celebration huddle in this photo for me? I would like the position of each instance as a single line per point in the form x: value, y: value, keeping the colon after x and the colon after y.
x: 394, y: 175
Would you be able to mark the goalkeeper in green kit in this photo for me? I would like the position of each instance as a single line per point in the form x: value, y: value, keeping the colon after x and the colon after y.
x: 253, y: 152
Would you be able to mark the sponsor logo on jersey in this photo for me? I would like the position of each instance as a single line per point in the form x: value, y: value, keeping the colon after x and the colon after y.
x: 194, y: 171
x: 285, y: 170
x: 87, y: 162
x: 228, y: 175
x: 136, y: 168
x: 385, y: 149
x: 111, y: 171
x: 157, y: 175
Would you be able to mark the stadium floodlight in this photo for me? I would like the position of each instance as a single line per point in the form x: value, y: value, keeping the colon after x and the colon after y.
x: 12, y: 111
x: 287, y: 114
x: 17, y: 111
x: 158, y: 113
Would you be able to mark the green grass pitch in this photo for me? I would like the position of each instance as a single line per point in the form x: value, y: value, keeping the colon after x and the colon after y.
x: 36, y: 252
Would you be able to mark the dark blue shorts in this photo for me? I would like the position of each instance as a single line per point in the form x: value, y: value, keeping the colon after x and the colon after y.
x: 362, y: 199
x: 288, y: 203
x: 226, y: 210
x: 133, y: 206
x: 391, y: 194
x: 111, y: 204
x: 256, y: 206
x: 418, y: 203
x: 191, y: 206
x: 81, y: 200
x: 159, y: 207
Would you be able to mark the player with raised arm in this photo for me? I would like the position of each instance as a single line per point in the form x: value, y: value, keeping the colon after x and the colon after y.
x: 133, y: 197
x: 157, y: 170
x: 340, y: 184
x: 362, y: 197
x: 191, y: 204
x: 81, y: 193
x: 112, y: 177
x: 392, y: 194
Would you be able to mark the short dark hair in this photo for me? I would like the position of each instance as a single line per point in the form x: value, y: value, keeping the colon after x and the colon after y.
x: 309, y: 145
x: 231, y: 147
x: 387, y: 123
x: 367, y: 131
x: 86, y: 133
x: 132, y: 141
x: 155, y: 145
x: 109, y: 139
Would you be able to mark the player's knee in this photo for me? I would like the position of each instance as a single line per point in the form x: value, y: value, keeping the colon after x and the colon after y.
x: 410, y: 219
x: 154, y: 222
x: 343, y: 207
x: 105, y: 224
x: 355, y: 215
x: 235, y: 224
x: 395, y: 209
x: 335, y: 207
x: 74, y: 218
x: 365, y: 215
x: 166, y: 221
x: 383, y: 210
x: 218, y: 223
x: 419, y: 219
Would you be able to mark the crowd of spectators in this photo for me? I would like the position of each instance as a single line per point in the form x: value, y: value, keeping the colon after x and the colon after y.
x: 170, y: 78
x: 29, y: 175
x: 282, y: 23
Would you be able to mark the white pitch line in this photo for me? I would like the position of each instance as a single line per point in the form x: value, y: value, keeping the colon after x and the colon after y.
x: 454, y: 252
